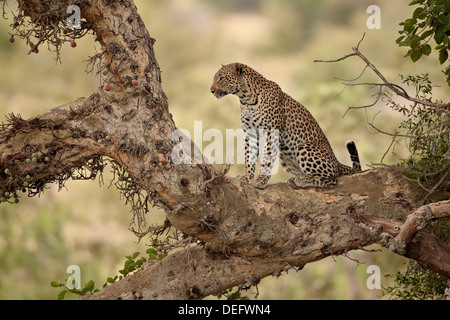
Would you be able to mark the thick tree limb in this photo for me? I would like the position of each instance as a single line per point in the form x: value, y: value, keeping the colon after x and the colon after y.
x: 244, y: 233
x: 408, y: 238
x: 278, y: 229
x: 416, y: 221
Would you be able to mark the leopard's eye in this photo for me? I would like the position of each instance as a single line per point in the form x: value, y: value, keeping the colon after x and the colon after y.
x: 220, y: 78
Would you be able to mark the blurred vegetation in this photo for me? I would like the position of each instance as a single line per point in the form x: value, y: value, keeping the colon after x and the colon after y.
x: 86, y: 225
x: 416, y: 283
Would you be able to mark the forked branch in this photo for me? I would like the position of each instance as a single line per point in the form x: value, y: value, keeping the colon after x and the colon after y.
x: 392, y: 86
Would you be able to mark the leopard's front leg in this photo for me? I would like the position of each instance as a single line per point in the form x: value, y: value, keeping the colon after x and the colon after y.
x: 268, y: 158
x: 251, y: 152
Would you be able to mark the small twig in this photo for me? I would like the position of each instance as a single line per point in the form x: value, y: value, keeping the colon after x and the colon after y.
x: 354, y: 79
x: 365, y: 106
x: 336, y: 60
x: 435, y: 187
x: 215, y: 176
x: 394, y: 140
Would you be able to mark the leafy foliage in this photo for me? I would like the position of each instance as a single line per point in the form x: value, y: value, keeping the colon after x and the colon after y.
x: 430, y: 20
x: 230, y: 295
x: 131, y: 264
x: 428, y: 127
x: 426, y: 131
x: 89, y: 288
x: 416, y: 283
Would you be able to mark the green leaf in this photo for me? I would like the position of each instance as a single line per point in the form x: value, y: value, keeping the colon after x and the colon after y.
x: 425, y: 49
x: 418, y: 13
x: 127, y: 264
x: 443, y: 19
x: 426, y: 34
x: 405, y: 43
x: 439, y: 34
x: 90, y: 285
x: 136, y: 254
x: 409, y: 25
x: 110, y: 280
x: 415, y: 41
x: 62, y: 294
x: 162, y: 255
x: 415, y: 55
x: 443, y: 55
x: 399, y: 39
x: 54, y: 284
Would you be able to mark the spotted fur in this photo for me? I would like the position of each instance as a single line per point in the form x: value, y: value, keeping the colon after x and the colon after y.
x: 289, y: 129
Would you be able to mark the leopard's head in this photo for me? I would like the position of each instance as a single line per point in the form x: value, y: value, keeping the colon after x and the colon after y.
x: 228, y: 80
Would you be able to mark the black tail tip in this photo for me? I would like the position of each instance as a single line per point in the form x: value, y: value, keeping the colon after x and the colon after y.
x: 350, y: 144
x: 351, y: 147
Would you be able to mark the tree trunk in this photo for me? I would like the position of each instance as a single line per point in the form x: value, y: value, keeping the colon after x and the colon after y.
x: 244, y: 234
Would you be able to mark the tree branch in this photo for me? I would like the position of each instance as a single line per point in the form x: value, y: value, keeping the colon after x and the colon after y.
x: 416, y: 221
x: 292, y: 228
x: 398, y: 90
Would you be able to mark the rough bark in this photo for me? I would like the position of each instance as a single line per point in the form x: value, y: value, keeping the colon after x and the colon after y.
x: 245, y: 233
x: 278, y: 229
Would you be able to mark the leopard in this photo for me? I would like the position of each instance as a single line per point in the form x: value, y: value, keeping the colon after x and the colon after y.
x: 285, y: 129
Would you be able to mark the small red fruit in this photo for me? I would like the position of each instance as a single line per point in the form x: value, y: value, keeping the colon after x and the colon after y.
x: 73, y: 44
x: 161, y: 158
x: 228, y: 180
x: 12, y: 39
x: 134, y: 82
x: 107, y: 87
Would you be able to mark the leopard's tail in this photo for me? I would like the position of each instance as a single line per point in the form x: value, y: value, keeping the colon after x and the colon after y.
x: 351, y: 147
x: 345, y: 170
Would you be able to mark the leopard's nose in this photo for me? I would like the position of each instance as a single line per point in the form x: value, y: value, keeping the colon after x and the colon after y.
x: 212, y: 90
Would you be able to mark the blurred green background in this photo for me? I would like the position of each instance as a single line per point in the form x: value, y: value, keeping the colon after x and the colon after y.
x: 87, y: 224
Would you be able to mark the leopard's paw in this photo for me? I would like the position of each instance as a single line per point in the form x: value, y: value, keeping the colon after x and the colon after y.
x: 260, y: 182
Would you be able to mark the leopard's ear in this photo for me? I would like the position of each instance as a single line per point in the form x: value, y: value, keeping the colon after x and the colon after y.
x: 239, y: 69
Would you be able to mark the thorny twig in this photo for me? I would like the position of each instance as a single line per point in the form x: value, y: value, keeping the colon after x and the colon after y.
x: 49, y: 26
